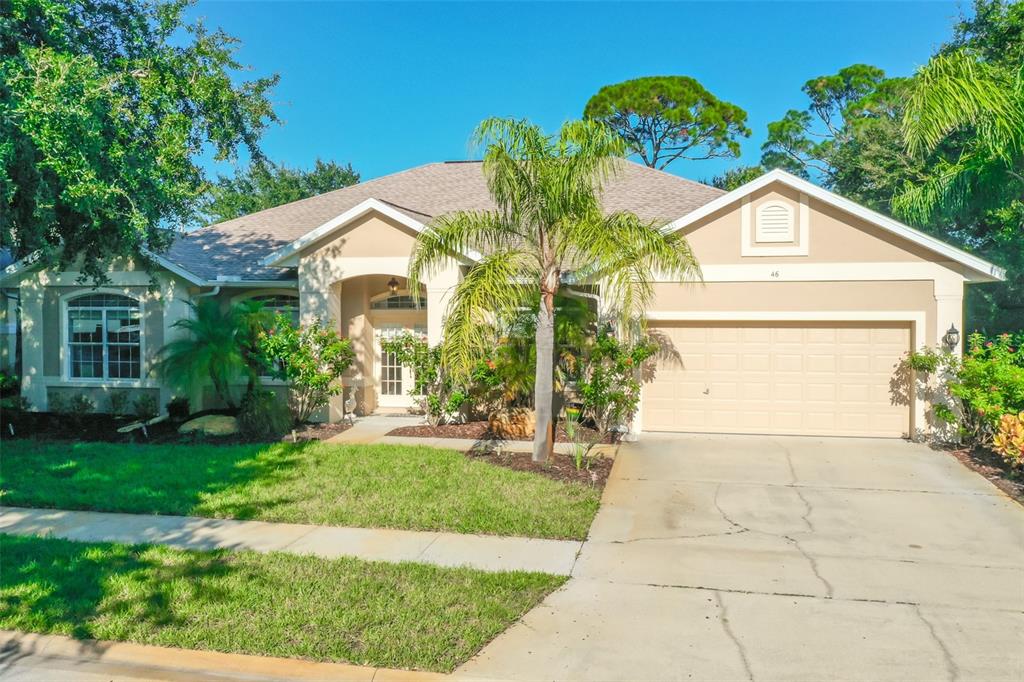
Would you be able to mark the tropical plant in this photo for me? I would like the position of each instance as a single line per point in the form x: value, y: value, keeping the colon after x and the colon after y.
x: 955, y: 92
x: 665, y: 118
x: 146, y: 407
x: 1009, y: 439
x: 579, y: 440
x: 217, y: 345
x: 607, y: 381
x: 311, y: 358
x: 178, y: 408
x: 548, y: 222
x: 263, y: 416
x: 440, y: 396
x: 117, y: 403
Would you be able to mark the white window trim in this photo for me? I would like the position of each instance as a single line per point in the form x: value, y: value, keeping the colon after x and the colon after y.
x: 65, y: 337
x: 400, y: 292
x: 749, y: 248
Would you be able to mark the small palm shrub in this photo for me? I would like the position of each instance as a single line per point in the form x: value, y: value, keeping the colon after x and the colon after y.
x: 262, y: 416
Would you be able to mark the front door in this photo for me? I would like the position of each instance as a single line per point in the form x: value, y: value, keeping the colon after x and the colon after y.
x: 394, y: 381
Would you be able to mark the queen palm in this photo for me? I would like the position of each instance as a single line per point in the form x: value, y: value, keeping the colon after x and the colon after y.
x: 547, y: 228
x: 957, y: 94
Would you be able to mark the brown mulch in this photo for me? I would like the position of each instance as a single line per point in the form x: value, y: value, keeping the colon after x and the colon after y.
x: 478, y: 430
x: 316, y: 432
x: 990, y: 465
x: 558, y: 467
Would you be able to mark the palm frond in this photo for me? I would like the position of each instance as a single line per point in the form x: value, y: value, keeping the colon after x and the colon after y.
x: 458, y: 233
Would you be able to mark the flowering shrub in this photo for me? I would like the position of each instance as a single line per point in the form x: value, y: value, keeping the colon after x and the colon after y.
x: 989, y: 383
x: 607, y: 380
x: 433, y: 387
x: 311, y: 358
x: 1009, y: 439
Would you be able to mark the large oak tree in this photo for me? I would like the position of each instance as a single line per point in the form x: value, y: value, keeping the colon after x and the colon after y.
x: 105, y: 108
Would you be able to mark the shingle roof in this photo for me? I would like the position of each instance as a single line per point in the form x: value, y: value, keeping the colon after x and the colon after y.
x: 235, y: 248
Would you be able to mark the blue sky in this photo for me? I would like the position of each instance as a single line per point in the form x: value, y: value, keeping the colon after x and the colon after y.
x: 388, y: 85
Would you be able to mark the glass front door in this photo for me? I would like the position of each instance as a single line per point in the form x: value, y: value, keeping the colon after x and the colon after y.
x: 394, y: 381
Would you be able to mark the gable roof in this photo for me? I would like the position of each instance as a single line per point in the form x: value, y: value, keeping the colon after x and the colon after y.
x: 240, y: 247
x: 984, y: 271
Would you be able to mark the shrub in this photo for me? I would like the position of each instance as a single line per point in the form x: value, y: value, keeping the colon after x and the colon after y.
x: 607, y: 382
x: 178, y: 408
x: 146, y: 407
x: 579, y: 442
x: 311, y: 358
x: 1009, y: 439
x: 440, y: 396
x: 117, y: 403
x: 262, y: 416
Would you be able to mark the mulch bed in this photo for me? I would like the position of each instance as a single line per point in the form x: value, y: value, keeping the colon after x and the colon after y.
x: 478, y: 430
x: 990, y: 465
x: 103, y: 428
x: 558, y: 467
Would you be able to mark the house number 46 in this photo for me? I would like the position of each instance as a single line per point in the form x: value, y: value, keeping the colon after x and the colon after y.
x: 774, y: 274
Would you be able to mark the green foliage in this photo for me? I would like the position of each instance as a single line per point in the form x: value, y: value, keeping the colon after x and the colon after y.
x: 737, y: 177
x: 262, y: 416
x: 265, y: 185
x: 547, y: 220
x: 607, y: 382
x: 989, y: 383
x: 665, y: 118
x: 1009, y: 439
x: 146, y: 407
x: 178, y: 408
x: 117, y: 403
x: 105, y: 108
x: 578, y: 439
x: 219, y: 345
x: 440, y: 395
x: 311, y: 358
x: 927, y: 360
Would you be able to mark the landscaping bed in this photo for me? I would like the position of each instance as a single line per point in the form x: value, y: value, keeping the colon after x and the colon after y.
x: 372, y: 486
x: 395, y: 615
x: 990, y: 465
x: 103, y: 427
x: 479, y: 430
x: 558, y: 467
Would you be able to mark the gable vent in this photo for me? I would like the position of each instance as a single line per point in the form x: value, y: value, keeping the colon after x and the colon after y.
x: 774, y: 222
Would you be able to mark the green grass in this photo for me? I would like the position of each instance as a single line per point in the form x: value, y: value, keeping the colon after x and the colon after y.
x: 381, y: 486
x: 368, y: 613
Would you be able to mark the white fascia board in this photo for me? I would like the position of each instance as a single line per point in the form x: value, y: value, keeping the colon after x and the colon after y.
x: 988, y: 271
x: 170, y: 266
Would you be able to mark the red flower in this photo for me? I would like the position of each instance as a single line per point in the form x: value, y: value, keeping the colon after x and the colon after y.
x: 490, y: 364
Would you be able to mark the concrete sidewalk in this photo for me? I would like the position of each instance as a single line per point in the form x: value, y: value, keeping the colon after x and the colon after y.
x: 485, y: 552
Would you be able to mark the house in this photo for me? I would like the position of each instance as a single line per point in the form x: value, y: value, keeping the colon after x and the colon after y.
x: 808, y: 301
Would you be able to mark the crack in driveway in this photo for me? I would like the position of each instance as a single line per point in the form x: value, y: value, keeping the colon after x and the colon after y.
x: 732, y: 635
x: 951, y: 667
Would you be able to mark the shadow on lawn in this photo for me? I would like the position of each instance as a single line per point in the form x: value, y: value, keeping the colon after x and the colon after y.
x: 69, y: 588
x: 150, y: 479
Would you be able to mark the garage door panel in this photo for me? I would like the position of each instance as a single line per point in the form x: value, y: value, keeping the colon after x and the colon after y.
x: 800, y: 378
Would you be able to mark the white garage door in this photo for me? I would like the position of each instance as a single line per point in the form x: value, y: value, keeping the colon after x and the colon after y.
x: 832, y: 379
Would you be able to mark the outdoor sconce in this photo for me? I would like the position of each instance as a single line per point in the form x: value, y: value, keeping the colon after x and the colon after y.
x: 952, y: 337
x: 393, y: 285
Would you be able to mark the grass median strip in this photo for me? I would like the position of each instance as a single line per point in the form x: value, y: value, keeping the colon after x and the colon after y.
x: 344, y: 610
x: 382, y: 486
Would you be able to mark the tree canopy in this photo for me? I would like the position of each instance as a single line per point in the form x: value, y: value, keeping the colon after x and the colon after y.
x: 265, y: 185
x: 105, y: 108
x: 665, y: 118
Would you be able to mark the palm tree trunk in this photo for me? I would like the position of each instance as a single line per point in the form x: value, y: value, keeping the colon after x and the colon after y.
x: 543, y: 392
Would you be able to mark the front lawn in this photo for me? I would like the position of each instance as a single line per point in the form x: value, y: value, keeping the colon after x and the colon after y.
x: 368, y: 613
x: 384, y: 486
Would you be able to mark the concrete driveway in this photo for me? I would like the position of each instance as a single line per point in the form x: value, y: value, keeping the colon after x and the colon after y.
x: 745, y: 557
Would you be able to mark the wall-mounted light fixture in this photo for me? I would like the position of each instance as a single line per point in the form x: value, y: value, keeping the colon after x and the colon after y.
x: 393, y: 285
x: 952, y: 337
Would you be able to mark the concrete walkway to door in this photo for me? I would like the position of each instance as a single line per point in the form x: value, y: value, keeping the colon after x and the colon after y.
x: 770, y: 558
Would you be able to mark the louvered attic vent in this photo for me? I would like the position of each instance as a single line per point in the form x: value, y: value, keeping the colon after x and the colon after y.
x: 774, y: 222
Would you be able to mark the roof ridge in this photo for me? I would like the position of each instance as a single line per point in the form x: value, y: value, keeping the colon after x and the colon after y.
x: 660, y: 171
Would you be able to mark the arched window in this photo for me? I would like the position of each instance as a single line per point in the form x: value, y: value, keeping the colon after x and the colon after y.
x: 402, y: 300
x: 104, y: 337
x: 281, y: 304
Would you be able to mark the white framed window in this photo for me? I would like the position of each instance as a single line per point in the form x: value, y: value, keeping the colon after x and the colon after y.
x: 775, y: 222
x: 401, y: 300
x: 104, y: 337
x: 280, y: 304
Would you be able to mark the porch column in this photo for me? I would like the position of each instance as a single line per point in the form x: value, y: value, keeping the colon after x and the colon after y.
x: 439, y: 292
x: 33, y: 385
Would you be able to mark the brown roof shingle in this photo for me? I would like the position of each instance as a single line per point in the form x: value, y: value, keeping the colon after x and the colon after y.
x: 235, y: 248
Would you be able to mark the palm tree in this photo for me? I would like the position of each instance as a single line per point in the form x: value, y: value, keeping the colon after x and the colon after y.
x: 548, y: 225
x: 956, y: 94
x: 219, y: 346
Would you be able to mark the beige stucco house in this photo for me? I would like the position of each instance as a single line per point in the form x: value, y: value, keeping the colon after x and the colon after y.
x: 808, y: 301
